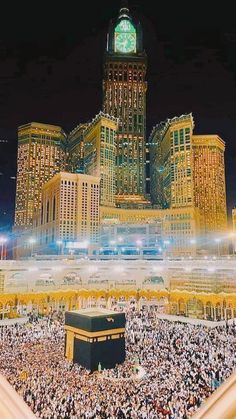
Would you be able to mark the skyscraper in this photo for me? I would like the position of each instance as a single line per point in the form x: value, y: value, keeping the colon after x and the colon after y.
x: 188, y: 171
x: 100, y: 154
x: 75, y: 149
x: 124, y: 89
x: 209, y: 182
x: 171, y: 183
x: 40, y: 156
x: 69, y: 210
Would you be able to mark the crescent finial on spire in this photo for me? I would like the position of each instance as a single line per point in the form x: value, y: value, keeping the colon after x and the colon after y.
x: 124, y: 4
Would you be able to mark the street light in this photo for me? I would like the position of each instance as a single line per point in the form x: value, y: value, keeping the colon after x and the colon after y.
x: 3, y: 241
x: 32, y: 241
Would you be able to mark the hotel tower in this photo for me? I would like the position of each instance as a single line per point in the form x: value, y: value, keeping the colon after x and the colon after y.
x: 124, y: 89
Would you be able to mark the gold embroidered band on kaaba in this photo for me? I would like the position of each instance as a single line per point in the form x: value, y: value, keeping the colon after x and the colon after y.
x: 98, y: 336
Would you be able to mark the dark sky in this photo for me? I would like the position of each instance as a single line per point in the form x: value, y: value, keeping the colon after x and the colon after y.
x: 51, y: 71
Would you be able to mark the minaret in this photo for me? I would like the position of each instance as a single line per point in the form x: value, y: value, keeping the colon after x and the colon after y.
x: 124, y: 89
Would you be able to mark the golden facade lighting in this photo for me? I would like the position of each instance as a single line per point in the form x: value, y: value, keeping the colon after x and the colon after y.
x: 40, y: 157
x: 99, y: 155
x: 124, y: 89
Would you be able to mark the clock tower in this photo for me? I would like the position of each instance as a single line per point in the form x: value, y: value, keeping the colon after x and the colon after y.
x: 124, y: 97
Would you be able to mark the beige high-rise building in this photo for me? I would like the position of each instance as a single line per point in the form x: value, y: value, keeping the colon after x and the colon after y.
x: 69, y: 210
x: 188, y: 170
x: 209, y: 182
x: 100, y: 155
x: 40, y: 156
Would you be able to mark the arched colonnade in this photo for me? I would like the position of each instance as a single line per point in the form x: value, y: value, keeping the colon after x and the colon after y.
x: 201, y: 305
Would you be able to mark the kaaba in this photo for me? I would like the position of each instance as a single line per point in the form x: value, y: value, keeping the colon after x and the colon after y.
x: 95, y: 338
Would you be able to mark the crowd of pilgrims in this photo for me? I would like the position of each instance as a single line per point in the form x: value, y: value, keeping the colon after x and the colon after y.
x: 183, y: 365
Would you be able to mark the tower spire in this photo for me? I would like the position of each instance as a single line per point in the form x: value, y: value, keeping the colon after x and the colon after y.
x: 124, y: 10
x: 124, y: 4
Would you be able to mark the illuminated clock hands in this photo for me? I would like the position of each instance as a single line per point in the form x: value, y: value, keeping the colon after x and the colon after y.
x: 125, y: 37
x: 125, y: 42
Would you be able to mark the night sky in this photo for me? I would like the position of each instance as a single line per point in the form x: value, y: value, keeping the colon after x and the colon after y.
x: 51, y: 61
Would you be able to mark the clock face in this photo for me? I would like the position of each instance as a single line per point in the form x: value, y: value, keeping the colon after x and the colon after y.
x: 125, y: 37
x: 125, y: 42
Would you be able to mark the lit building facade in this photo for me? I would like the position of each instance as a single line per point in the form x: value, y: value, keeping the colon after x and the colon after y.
x: 188, y: 170
x: 100, y: 155
x: 147, y: 171
x: 209, y: 182
x: 40, y: 156
x: 124, y: 90
x: 176, y: 229
x: 143, y: 237
x: 75, y: 149
x: 184, y: 173
x: 234, y: 219
x: 69, y: 211
x: 233, y: 234
x: 171, y: 163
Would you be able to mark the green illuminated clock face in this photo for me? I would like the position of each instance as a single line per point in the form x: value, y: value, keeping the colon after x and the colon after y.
x: 125, y: 37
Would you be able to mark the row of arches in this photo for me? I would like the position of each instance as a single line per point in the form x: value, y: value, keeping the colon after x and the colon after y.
x: 201, y: 305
